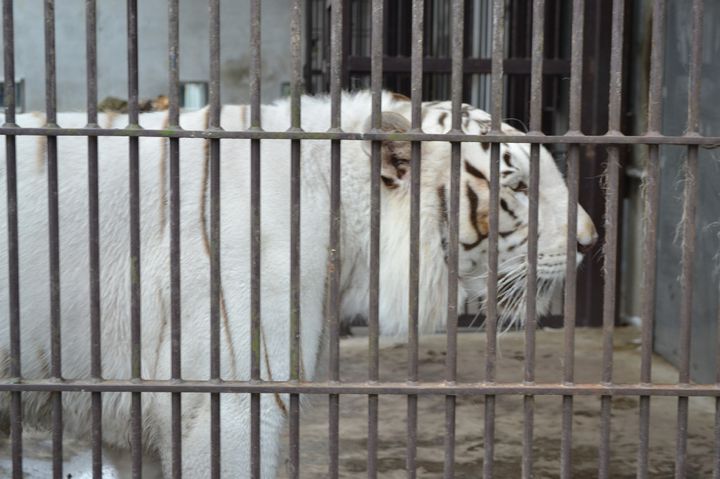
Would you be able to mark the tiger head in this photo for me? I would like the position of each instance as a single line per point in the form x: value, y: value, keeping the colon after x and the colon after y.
x: 514, y: 162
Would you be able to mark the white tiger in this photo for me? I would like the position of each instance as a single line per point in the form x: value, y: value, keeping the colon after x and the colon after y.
x: 235, y: 233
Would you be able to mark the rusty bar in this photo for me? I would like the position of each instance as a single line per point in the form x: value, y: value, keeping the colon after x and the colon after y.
x: 94, y: 235
x: 333, y: 387
x: 54, y: 236
x: 376, y: 74
x: 255, y: 236
x: 453, y: 224
x: 135, y: 279
x: 295, y: 174
x: 612, y: 179
x: 695, y: 71
x: 716, y: 455
x: 416, y: 73
x: 296, y: 86
x: 652, y: 191
x: 651, y: 199
x: 336, y: 58
x: 709, y: 142
x: 174, y: 179
x: 215, y: 284
x: 688, y: 235
x: 16, y: 427
x: 573, y: 167
x: 536, y: 82
x: 497, y: 81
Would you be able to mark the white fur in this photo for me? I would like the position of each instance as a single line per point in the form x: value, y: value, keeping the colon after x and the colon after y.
x: 235, y: 231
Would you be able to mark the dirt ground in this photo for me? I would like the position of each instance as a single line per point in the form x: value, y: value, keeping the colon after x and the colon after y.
x: 469, y: 432
x: 509, y: 415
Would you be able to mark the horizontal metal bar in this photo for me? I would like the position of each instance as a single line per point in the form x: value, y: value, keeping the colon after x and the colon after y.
x: 511, y: 66
x: 609, y: 139
x: 335, y: 387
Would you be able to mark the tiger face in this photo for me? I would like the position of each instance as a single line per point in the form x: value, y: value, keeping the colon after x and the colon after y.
x: 474, y: 211
x: 513, y: 221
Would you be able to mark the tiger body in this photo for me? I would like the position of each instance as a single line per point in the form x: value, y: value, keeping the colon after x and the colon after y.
x: 235, y: 219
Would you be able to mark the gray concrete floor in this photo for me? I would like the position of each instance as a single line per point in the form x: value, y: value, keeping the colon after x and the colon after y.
x: 469, y: 433
x: 509, y: 412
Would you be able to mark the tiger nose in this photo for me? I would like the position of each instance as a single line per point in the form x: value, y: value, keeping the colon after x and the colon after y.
x: 587, y: 235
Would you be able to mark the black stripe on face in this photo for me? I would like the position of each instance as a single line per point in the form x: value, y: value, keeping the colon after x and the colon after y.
x: 441, y: 118
x: 507, y: 209
x: 474, y: 203
x: 474, y: 171
x: 507, y: 157
x: 518, y: 244
x: 442, y: 199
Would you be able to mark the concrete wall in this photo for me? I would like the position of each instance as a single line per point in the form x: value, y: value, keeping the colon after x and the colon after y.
x: 707, y: 245
x: 153, y: 44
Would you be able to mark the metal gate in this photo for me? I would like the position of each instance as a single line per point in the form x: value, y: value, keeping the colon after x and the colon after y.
x: 565, y: 388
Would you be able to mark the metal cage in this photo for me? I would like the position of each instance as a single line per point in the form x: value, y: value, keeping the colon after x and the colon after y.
x: 565, y: 388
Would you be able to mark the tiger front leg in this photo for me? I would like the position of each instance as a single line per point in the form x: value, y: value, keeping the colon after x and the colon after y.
x: 234, y: 436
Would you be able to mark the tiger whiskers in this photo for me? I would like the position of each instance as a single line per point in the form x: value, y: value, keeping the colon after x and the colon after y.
x: 512, y: 292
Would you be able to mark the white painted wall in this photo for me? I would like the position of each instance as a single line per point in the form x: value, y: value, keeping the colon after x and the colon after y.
x: 153, y: 44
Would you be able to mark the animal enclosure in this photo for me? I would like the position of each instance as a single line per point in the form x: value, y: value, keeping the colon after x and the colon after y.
x: 566, y: 389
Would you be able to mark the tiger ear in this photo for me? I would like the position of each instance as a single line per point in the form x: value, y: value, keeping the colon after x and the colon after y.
x: 395, y: 154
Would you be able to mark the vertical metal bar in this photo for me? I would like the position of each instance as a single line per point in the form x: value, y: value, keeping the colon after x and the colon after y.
x: 296, y: 86
x: 716, y: 455
x: 496, y: 87
x: 215, y: 289
x: 94, y: 235
x: 333, y: 309
x: 458, y: 23
x: 255, y: 234
x: 688, y: 235
x: 416, y: 57
x: 12, y: 238
x: 135, y: 281
x: 376, y: 74
x: 532, y: 248
x: 611, y: 230
x: 54, y: 236
x: 657, y: 61
x: 175, y: 295
x: 573, y: 167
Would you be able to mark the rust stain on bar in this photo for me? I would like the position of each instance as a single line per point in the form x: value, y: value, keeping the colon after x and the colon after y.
x: 175, y: 278
x: 657, y: 63
x: 612, y: 180
x: 497, y: 79
x: 16, y: 426
x: 333, y: 309
x: 453, y: 225
x: 688, y: 236
x: 295, y: 172
x: 573, y: 167
x: 335, y: 387
x: 54, y: 238
x: 93, y: 236
x: 215, y: 279
x: 376, y: 74
x: 135, y: 276
x: 710, y: 142
x: 416, y: 82
x: 255, y: 235
x: 536, y: 82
